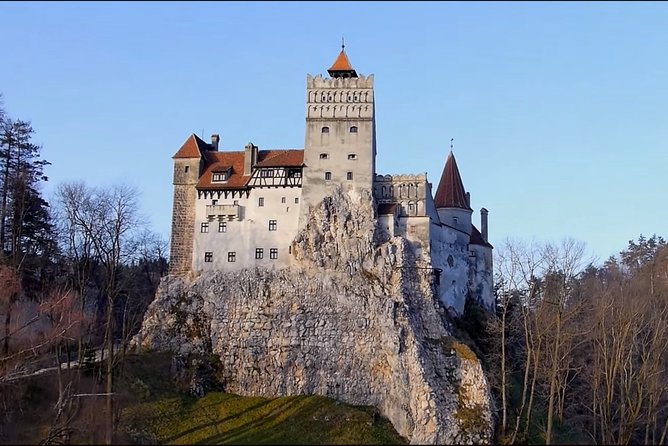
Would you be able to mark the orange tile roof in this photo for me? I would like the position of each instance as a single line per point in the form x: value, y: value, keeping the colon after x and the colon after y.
x: 221, y: 161
x: 280, y: 158
x: 192, y: 148
x: 341, y: 63
x: 450, y: 192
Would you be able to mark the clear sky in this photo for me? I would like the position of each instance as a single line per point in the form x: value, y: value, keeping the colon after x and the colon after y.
x: 558, y: 110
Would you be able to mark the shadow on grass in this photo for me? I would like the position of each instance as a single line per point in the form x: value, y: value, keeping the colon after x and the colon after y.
x: 196, y: 409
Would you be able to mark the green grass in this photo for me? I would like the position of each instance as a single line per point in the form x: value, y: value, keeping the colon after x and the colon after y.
x: 157, y: 412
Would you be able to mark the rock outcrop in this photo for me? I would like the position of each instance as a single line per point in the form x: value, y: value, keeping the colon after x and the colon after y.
x: 355, y: 318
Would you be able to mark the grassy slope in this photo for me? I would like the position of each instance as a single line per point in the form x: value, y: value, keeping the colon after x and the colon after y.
x: 157, y: 412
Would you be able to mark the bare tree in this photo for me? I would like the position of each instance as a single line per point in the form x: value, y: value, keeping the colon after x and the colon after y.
x: 109, y: 220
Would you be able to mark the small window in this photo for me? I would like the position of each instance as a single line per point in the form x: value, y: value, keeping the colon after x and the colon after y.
x: 236, y: 202
x: 410, y: 207
x: 260, y: 201
x: 454, y: 220
x: 353, y: 129
x: 324, y: 156
x: 214, y: 202
x: 296, y: 200
x: 231, y: 256
x: 349, y: 176
x: 186, y: 169
x: 222, y: 226
x: 352, y: 156
x: 325, y: 130
x: 218, y: 176
x: 273, y: 253
x: 272, y: 225
x: 267, y: 173
x: 328, y: 175
x: 208, y: 257
x: 282, y: 199
x: 204, y: 227
x: 259, y: 253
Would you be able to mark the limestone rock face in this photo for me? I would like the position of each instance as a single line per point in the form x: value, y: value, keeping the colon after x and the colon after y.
x: 352, y: 319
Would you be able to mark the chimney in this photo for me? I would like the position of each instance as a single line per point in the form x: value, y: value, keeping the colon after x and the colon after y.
x: 468, y: 199
x: 215, y: 139
x: 250, y: 158
x: 483, y: 223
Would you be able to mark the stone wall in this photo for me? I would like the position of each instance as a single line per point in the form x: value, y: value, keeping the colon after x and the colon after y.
x: 355, y: 320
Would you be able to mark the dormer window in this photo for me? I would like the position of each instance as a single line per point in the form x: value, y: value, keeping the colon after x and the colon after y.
x: 353, y: 129
x: 325, y: 130
x: 267, y: 173
x: 219, y: 176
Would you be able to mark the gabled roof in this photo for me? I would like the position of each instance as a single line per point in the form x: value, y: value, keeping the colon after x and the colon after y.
x: 342, y: 66
x: 476, y: 238
x: 450, y: 192
x: 221, y: 161
x: 280, y: 158
x: 234, y: 161
x: 192, y: 148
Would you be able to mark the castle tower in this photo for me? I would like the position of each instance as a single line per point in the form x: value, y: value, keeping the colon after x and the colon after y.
x: 452, y: 201
x: 340, y: 140
x: 188, y: 162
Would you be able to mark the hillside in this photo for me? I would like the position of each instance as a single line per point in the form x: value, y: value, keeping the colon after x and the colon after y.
x: 157, y: 409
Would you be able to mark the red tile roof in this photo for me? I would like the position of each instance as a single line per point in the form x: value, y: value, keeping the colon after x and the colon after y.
x: 221, y: 161
x: 450, y: 192
x: 476, y: 238
x: 341, y: 63
x: 192, y: 148
x: 280, y: 158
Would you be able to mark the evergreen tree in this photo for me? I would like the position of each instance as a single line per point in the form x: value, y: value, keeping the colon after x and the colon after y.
x: 25, y: 223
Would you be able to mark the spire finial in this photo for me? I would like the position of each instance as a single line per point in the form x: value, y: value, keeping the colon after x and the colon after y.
x: 343, y: 43
x: 451, y: 140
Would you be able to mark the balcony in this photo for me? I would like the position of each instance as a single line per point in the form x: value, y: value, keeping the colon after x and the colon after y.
x: 224, y: 211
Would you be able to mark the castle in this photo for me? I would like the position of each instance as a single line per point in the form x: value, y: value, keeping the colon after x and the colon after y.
x: 241, y: 209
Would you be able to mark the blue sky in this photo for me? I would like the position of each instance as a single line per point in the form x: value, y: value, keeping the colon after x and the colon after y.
x: 558, y: 110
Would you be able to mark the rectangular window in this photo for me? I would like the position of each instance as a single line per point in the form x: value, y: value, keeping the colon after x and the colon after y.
x: 218, y: 176
x: 352, y: 156
x: 208, y: 257
x: 259, y: 253
x: 273, y: 253
x: 328, y: 175
x: 204, y: 227
x: 186, y: 169
x: 324, y: 156
x: 260, y: 201
x: 231, y: 256
x: 267, y: 173
x: 272, y: 225
x: 282, y: 199
x: 349, y: 176
x: 296, y: 200
x: 236, y: 202
x: 222, y: 226
x: 214, y: 202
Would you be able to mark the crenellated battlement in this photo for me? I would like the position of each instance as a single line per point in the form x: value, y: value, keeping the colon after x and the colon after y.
x: 339, y: 82
x: 400, y: 177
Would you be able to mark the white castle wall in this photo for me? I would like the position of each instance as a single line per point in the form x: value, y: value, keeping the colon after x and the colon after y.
x: 249, y: 232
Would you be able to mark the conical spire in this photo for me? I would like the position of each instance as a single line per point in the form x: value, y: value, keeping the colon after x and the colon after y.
x: 450, y: 192
x: 341, y: 66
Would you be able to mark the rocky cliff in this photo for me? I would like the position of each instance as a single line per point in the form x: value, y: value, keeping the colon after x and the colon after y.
x: 354, y: 318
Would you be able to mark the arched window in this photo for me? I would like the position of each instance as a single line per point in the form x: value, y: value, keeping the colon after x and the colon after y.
x: 325, y: 130
x: 353, y: 129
